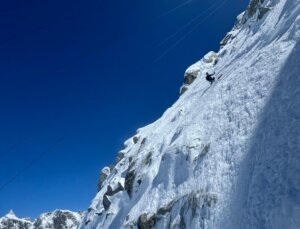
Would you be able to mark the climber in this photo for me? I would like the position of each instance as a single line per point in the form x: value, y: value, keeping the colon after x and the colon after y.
x: 210, y: 78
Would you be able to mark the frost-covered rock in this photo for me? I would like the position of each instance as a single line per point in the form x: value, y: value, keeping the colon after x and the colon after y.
x: 224, y: 156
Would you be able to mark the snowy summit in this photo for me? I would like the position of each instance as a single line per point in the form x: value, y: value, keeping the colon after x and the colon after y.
x: 224, y: 155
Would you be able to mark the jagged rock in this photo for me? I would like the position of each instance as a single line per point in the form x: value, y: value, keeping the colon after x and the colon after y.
x: 135, y: 139
x: 142, y: 145
x: 145, y: 223
x: 110, y: 191
x: 189, y: 77
x: 120, y: 156
x: 255, y: 8
x: 129, y: 181
x: 252, y: 7
x: 166, y: 209
x: 198, y: 203
x: 148, y: 159
x: 106, y: 202
x: 103, y: 175
x: 191, y: 74
x: 226, y: 39
x: 262, y: 12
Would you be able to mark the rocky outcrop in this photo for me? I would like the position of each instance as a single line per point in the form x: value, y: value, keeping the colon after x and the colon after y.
x: 129, y: 181
x: 103, y: 175
x: 145, y: 223
x: 198, y: 69
x: 106, y: 202
x: 255, y: 11
x: 179, y: 212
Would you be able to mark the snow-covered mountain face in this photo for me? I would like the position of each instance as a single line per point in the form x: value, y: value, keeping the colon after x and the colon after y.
x: 12, y: 221
x: 58, y: 219
x: 223, y: 156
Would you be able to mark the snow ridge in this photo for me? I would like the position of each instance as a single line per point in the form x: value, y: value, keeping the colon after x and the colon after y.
x: 223, y: 156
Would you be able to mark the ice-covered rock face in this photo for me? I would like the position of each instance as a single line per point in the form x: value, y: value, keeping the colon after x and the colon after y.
x: 224, y: 156
x: 58, y: 219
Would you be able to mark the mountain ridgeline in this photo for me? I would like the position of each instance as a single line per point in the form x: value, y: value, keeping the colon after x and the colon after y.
x: 224, y: 155
x: 58, y: 219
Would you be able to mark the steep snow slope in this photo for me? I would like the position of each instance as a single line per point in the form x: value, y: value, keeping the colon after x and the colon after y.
x: 226, y: 155
x: 58, y: 219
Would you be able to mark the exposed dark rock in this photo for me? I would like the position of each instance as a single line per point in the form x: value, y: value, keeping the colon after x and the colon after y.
x: 148, y: 159
x: 262, y: 12
x: 145, y: 223
x: 254, y: 4
x: 139, y: 181
x: 130, y: 159
x: 129, y: 181
x: 166, y: 209
x: 120, y: 156
x: 106, y: 202
x: 103, y: 175
x: 255, y: 8
x: 111, y: 192
x: 59, y: 222
x: 111, y: 167
x: 142, y: 145
x: 199, y: 203
x: 135, y: 139
x: 190, y: 77
x: 226, y: 39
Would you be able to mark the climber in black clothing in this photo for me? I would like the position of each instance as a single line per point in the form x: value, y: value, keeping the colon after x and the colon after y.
x: 210, y: 78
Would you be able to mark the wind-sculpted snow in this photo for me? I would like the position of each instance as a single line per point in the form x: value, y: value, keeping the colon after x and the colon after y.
x: 226, y: 155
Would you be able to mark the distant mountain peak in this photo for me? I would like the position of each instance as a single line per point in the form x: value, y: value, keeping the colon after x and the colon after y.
x: 56, y: 219
x: 11, y: 215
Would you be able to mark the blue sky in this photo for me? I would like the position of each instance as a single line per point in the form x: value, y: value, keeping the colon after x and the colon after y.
x: 77, y: 78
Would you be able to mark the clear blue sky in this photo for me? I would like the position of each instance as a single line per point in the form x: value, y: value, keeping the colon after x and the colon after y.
x: 77, y: 79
